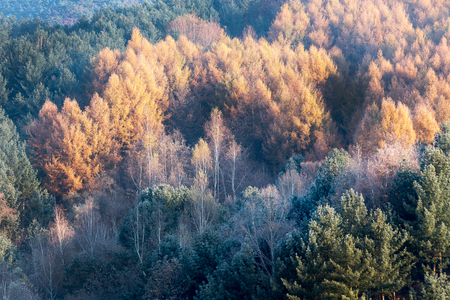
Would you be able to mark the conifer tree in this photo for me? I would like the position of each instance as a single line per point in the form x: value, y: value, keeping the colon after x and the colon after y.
x: 237, y: 279
x: 434, y: 287
x: 303, y: 206
x: 350, y: 253
x: 430, y: 232
x: 19, y: 185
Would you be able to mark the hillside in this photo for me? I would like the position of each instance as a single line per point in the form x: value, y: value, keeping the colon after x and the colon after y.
x: 65, y: 12
x: 227, y: 149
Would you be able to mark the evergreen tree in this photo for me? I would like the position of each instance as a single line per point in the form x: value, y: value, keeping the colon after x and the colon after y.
x: 435, y: 287
x: 237, y: 279
x: 322, y: 186
x: 432, y: 211
x: 442, y: 140
x: 18, y: 181
x: 3, y: 91
x: 202, y: 260
x: 350, y: 253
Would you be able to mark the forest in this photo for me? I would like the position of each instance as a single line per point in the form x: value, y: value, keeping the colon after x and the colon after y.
x: 220, y: 149
x: 63, y: 12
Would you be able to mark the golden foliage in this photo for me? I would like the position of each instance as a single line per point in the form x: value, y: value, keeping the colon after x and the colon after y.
x: 71, y: 147
x: 425, y: 124
x: 381, y: 127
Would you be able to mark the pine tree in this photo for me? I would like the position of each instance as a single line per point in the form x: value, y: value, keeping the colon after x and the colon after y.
x: 237, y: 279
x: 350, y: 253
x: 3, y: 91
x: 19, y: 184
x: 430, y: 233
x: 303, y: 206
x: 435, y: 287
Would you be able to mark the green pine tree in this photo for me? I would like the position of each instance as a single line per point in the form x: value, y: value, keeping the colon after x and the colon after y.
x: 350, y: 253
x: 431, y: 237
x: 237, y: 279
x: 303, y: 206
x: 18, y: 181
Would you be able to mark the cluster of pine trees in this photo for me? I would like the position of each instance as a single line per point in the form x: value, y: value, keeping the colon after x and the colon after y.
x: 227, y: 150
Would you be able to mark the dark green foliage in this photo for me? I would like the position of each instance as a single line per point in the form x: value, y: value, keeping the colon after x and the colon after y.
x: 428, y: 208
x: 432, y: 213
x: 285, y: 266
x: 442, y: 140
x: 3, y: 91
x: 304, y: 205
x: 349, y: 253
x: 18, y: 182
x: 108, y: 277
x: 8, y: 252
x: 168, y: 249
x: 39, y: 207
x: 237, y: 279
x: 401, y: 194
x: 166, y: 281
x: 202, y: 260
x: 152, y: 218
x: 292, y: 164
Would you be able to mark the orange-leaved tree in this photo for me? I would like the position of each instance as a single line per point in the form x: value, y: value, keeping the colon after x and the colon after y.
x: 69, y: 147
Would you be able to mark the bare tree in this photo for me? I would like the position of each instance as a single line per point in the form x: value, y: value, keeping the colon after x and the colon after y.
x: 263, y: 222
x: 292, y: 183
x: 15, y: 285
x: 203, y: 208
x: 196, y: 30
x: 371, y: 175
x: 217, y: 133
x: 236, y: 166
x: 48, y: 269
x: 61, y: 232
x: 92, y: 234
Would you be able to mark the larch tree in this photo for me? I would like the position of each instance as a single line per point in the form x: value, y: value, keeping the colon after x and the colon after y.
x: 379, y: 127
x: 70, y: 147
x: 425, y: 124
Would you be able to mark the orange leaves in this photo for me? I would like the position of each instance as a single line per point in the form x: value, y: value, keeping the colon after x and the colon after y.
x: 71, y: 148
x: 393, y: 123
x: 425, y: 124
x: 104, y: 65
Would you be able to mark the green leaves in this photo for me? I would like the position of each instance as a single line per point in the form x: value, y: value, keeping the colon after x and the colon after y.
x: 350, y: 253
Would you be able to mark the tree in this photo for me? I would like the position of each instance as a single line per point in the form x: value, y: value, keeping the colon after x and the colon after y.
x: 217, y: 133
x: 195, y: 29
x: 263, y: 221
x: 18, y: 180
x: 237, y: 279
x: 167, y: 205
x: 434, y: 287
x: 166, y: 281
x: 69, y: 146
x: 303, y: 206
x: 92, y: 234
x: 431, y: 210
x: 235, y: 166
x: 380, y: 127
x: 351, y: 253
x: 425, y: 124
x: 61, y: 233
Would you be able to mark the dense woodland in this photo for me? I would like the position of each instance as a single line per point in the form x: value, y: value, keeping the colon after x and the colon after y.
x: 65, y: 12
x: 227, y: 150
